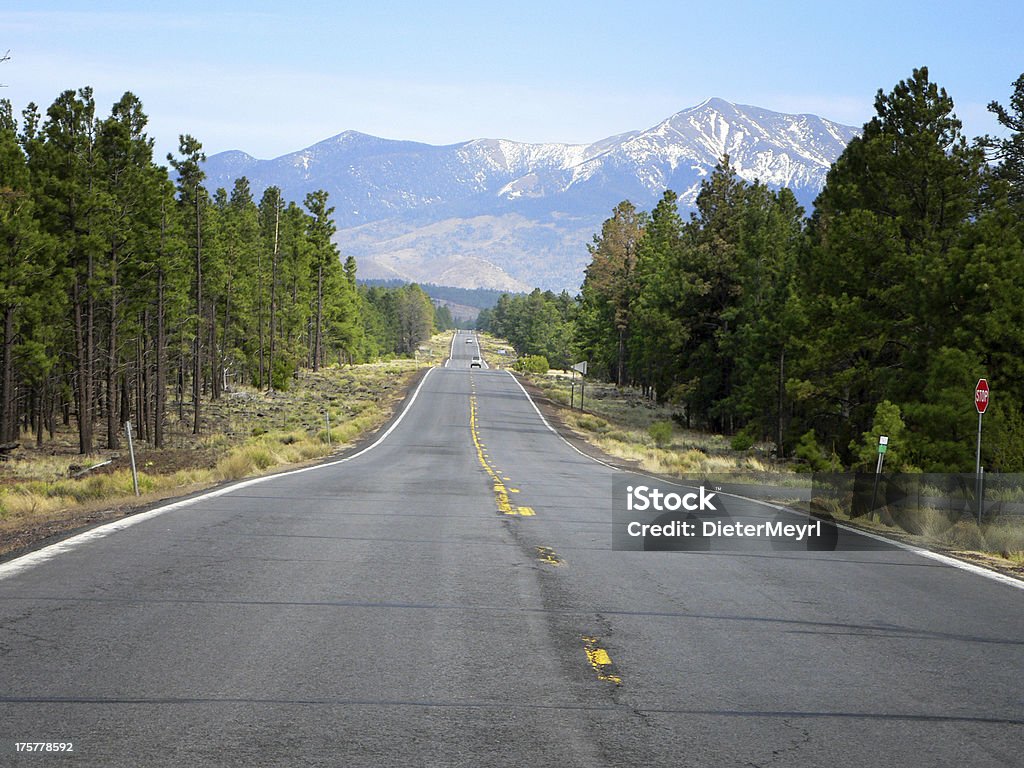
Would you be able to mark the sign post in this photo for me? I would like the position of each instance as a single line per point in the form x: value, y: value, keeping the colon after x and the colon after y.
x: 883, y: 446
x: 582, y: 369
x: 981, y: 401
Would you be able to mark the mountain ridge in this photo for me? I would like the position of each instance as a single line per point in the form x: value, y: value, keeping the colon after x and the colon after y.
x: 522, y: 213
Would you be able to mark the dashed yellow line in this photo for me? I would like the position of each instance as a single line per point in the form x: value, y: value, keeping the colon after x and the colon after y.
x: 600, y: 661
x: 501, y: 491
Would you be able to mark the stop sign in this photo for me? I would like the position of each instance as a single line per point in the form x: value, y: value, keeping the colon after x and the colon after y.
x: 981, y: 395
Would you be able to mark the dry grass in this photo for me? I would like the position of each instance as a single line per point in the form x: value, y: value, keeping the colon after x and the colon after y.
x: 1002, y: 540
x: 1002, y: 537
x: 623, y: 431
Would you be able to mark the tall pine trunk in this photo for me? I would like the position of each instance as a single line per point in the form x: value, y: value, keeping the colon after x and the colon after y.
x: 160, y: 385
x: 83, y: 370
x: 8, y: 431
x: 112, y: 426
x: 318, y: 339
x: 197, y: 350
x: 621, y: 378
x: 273, y: 292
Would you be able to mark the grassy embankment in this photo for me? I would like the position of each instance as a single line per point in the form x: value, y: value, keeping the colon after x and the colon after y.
x: 627, y: 426
x: 245, y: 433
x: 621, y: 422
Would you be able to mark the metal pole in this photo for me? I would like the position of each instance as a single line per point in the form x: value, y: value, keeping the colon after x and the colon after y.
x: 327, y: 417
x: 981, y: 493
x: 582, y: 380
x: 131, y: 452
x: 878, y: 472
x: 572, y: 390
x: 977, y: 469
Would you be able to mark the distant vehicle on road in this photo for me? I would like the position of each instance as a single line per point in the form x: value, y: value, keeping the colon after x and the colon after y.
x: 476, y: 363
x: 469, y: 340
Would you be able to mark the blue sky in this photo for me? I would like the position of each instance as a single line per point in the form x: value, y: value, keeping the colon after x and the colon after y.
x: 271, y: 78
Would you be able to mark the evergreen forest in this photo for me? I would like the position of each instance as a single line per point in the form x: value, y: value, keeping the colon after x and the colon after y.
x: 876, y: 314
x: 129, y: 291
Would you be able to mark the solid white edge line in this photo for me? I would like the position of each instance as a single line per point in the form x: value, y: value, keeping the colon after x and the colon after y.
x: 451, y: 352
x: 553, y: 430
x: 945, y: 559
x: 40, y: 556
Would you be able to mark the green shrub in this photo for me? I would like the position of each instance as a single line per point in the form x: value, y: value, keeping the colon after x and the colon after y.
x: 743, y: 440
x: 620, y: 435
x: 558, y: 396
x: 592, y: 423
x: 661, y: 433
x: 813, y: 456
x: 533, y: 364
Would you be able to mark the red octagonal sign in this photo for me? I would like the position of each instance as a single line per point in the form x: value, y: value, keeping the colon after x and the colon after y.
x: 981, y: 395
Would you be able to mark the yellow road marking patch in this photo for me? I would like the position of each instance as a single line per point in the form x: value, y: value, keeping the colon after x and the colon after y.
x: 600, y: 660
x: 548, y: 555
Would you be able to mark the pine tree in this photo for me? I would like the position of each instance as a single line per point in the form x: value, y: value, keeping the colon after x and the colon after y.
x: 661, y: 321
x: 65, y: 165
x: 27, y: 313
x: 763, y: 322
x: 193, y: 201
x: 1009, y: 151
x: 270, y: 210
x: 325, y: 254
x: 609, y: 291
x: 129, y: 231
x: 885, y: 227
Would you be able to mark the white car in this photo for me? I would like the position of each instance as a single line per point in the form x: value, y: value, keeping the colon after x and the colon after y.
x: 476, y: 362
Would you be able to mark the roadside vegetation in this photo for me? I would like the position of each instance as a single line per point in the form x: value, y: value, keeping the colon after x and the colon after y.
x: 246, y: 432
x: 625, y: 424
x: 628, y: 426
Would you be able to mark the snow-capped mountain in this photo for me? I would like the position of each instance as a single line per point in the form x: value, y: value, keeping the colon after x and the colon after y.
x: 498, y: 213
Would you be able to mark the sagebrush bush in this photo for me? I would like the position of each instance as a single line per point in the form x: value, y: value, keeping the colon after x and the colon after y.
x: 533, y: 364
x: 661, y: 433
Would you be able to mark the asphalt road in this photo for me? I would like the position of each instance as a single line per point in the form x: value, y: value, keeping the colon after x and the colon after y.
x: 450, y: 598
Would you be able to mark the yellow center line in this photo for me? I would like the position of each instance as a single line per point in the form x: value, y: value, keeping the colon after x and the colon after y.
x: 501, y: 492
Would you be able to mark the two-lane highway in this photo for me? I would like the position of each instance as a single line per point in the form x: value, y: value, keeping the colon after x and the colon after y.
x: 391, y: 610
